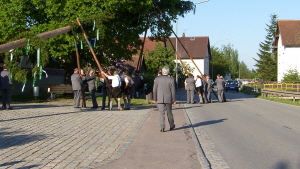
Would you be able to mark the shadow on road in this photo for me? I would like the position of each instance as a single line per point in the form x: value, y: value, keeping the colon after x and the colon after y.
x: 16, y: 138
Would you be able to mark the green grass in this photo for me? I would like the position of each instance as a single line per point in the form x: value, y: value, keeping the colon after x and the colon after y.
x: 279, y: 100
x: 134, y: 102
x: 26, y: 98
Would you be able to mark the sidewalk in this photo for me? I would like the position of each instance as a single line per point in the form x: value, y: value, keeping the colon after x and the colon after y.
x: 55, y: 136
x: 152, y: 149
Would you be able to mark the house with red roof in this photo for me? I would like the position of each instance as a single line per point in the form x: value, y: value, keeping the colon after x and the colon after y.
x: 287, y: 44
x: 197, y: 48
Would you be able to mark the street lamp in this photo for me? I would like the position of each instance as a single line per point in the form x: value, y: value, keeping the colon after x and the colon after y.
x: 177, y: 46
x: 176, y: 56
x: 201, y: 2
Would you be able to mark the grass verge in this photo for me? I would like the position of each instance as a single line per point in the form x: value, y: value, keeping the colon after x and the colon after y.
x: 61, y: 97
x: 279, y: 100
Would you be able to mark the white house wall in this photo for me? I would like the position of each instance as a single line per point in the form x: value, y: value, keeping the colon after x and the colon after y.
x: 288, y: 59
x: 202, y: 64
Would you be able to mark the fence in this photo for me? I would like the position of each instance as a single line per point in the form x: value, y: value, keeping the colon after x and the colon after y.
x: 275, y: 86
x: 281, y: 94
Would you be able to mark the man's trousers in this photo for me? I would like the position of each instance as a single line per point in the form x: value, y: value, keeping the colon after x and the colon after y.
x: 162, y: 108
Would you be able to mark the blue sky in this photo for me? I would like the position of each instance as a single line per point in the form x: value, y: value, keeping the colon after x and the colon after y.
x: 242, y: 22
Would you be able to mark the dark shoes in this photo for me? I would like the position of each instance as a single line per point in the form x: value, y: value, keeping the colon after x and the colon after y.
x: 126, y: 108
x: 94, y: 107
x: 172, y: 128
x: 162, y: 130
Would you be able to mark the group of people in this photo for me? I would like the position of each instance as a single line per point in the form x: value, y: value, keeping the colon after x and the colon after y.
x: 79, y: 80
x: 114, y: 87
x: 203, y: 86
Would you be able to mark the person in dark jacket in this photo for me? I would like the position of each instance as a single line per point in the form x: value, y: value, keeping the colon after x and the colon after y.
x: 92, y: 89
x: 6, y: 88
x: 209, y: 89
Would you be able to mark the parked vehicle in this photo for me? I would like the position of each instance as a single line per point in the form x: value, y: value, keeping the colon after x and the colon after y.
x: 232, y: 85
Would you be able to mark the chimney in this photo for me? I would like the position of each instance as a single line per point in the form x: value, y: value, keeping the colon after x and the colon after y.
x: 183, y: 35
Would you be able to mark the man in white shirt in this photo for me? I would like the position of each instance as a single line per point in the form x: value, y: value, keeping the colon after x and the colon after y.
x: 199, y: 88
x: 116, y: 89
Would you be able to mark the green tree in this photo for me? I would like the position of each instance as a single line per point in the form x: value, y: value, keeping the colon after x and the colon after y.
x: 158, y: 58
x: 118, y: 24
x: 292, y: 75
x: 231, y: 56
x: 245, y: 72
x: 219, y: 63
x: 267, y: 61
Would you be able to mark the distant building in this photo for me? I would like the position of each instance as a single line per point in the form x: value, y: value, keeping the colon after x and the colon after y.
x: 287, y: 45
x: 198, y: 49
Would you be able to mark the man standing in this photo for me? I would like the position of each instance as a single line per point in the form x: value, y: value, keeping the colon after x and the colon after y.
x: 209, y: 89
x: 6, y: 88
x: 126, y: 91
x: 224, y: 85
x: 220, y: 86
x: 92, y: 89
x: 204, y: 81
x: 164, y: 96
x: 76, y: 86
x: 190, y: 88
x: 116, y: 89
x: 105, y: 90
x: 199, y: 87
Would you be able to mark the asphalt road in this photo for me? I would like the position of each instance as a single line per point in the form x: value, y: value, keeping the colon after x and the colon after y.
x: 248, y: 133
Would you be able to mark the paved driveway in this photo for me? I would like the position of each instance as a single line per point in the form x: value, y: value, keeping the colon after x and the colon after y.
x: 55, y: 135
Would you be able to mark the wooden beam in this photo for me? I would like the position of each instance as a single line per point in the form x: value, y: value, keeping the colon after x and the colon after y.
x: 22, y: 42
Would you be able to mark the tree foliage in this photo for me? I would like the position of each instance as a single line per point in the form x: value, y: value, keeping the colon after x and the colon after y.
x: 118, y: 24
x: 220, y: 63
x: 292, y: 75
x: 267, y: 61
x: 158, y: 58
x: 225, y: 61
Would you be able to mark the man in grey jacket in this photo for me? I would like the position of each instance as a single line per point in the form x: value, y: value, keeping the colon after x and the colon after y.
x: 164, y: 96
x: 6, y: 88
x: 220, y: 86
x: 92, y: 89
x: 76, y: 86
x: 189, y: 85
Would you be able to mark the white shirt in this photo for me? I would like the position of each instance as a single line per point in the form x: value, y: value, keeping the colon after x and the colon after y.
x: 126, y: 81
x: 116, y: 80
x: 198, y: 82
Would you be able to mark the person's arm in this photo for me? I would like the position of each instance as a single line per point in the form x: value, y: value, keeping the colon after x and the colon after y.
x: 173, y: 92
x: 155, y: 91
x: 90, y: 78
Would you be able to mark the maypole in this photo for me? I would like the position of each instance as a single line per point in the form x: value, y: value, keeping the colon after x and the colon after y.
x: 178, y: 40
x: 176, y: 53
x: 142, y: 50
x: 22, y: 42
